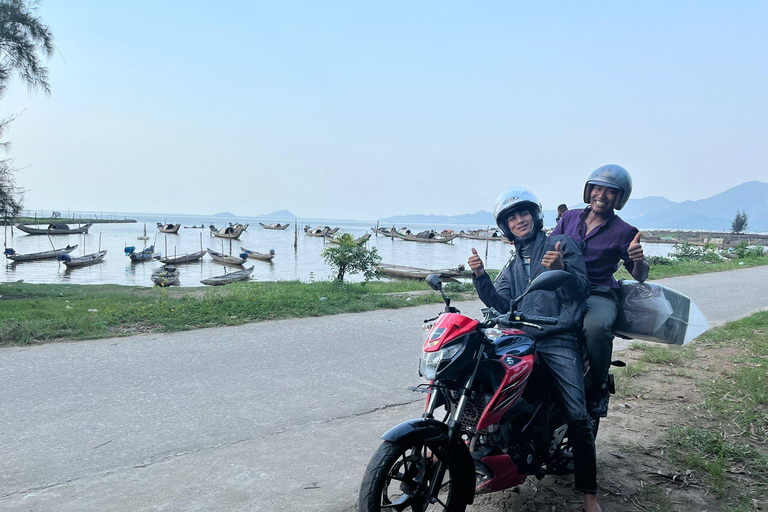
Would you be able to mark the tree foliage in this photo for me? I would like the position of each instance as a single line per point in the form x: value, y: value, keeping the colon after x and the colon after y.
x: 24, y: 40
x: 347, y: 257
x: 740, y: 222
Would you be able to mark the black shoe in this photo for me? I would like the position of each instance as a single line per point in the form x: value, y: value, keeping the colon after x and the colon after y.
x: 598, y: 404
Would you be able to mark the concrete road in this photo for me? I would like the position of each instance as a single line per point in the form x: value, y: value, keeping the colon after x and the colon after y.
x: 275, y: 416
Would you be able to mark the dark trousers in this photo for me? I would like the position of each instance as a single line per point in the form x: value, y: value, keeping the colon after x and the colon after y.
x: 563, y: 358
x: 602, y: 308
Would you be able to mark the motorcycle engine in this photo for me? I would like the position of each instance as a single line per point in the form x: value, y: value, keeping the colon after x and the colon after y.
x: 474, y: 408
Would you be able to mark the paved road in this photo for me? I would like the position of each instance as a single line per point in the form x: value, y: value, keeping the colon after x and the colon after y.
x: 275, y: 416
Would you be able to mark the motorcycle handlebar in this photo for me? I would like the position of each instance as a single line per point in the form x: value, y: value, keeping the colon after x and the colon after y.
x: 542, y: 320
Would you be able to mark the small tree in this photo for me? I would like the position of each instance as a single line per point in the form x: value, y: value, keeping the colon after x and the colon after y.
x: 349, y: 258
x: 740, y: 222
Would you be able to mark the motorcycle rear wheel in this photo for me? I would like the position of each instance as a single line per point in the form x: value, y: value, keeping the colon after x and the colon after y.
x: 397, y: 479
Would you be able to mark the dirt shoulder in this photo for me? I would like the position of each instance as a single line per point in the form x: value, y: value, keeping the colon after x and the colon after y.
x: 687, y: 431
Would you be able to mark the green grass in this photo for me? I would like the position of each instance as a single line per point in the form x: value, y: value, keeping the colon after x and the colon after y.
x: 626, y: 386
x: 47, y: 312
x: 665, y: 354
x: 686, y: 268
x: 733, y: 443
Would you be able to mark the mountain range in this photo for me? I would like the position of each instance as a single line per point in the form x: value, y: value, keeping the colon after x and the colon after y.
x: 712, y: 214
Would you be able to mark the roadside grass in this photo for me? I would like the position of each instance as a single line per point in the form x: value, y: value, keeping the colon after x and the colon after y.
x: 686, y: 268
x: 729, y: 440
x: 35, y: 313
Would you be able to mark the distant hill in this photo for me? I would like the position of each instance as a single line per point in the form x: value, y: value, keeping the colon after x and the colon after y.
x: 712, y: 214
x: 224, y: 214
x: 279, y: 215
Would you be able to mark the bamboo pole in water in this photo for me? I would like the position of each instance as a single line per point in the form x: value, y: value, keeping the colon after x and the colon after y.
x: 486, y: 244
x: 295, y: 234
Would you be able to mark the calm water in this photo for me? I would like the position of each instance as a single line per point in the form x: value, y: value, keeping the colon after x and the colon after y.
x: 303, y: 263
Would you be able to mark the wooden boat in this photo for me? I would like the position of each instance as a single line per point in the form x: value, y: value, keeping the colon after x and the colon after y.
x: 166, y: 276
x: 182, y: 258
x: 482, y: 234
x: 233, y: 231
x: 359, y: 241
x: 259, y: 255
x: 169, y: 228
x: 201, y: 226
x: 320, y: 231
x: 428, y: 237
x: 47, y: 255
x: 82, y: 261
x: 229, y: 260
x: 406, y: 272
x: 275, y: 226
x: 147, y: 254
x: 55, y: 229
x: 240, y: 275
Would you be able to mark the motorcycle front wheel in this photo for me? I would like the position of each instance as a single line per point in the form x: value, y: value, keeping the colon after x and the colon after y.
x: 398, y: 478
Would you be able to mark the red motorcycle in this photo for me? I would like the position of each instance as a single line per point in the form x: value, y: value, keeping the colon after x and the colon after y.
x: 501, y: 420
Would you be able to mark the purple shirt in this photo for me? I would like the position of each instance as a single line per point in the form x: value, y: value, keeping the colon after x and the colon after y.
x: 603, y: 247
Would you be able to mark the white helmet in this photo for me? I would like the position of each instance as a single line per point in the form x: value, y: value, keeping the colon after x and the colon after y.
x: 512, y: 199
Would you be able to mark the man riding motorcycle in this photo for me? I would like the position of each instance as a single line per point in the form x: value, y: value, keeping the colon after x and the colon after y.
x: 606, y: 239
x: 518, y: 215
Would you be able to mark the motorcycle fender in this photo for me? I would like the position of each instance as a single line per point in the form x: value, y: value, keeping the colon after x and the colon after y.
x: 418, y: 428
x: 421, y: 429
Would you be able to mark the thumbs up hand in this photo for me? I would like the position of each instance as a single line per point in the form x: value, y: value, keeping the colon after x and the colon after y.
x: 635, y: 250
x: 553, y: 260
x: 476, y: 264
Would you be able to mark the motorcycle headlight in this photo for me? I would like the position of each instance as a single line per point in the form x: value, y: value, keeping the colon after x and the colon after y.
x: 431, y: 360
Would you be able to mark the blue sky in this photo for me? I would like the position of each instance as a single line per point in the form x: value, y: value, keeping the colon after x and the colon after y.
x: 367, y: 110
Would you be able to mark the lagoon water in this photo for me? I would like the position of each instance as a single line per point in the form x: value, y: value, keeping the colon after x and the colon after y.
x: 303, y: 263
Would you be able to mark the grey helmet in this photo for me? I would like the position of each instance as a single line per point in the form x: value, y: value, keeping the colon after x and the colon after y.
x: 512, y: 199
x: 612, y: 176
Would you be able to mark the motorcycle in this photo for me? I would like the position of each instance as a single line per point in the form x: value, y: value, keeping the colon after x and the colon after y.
x: 501, y: 420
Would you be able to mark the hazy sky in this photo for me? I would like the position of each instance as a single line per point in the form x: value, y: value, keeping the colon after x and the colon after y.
x: 372, y: 109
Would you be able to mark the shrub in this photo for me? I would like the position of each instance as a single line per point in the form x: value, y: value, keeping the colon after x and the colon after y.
x: 348, y: 257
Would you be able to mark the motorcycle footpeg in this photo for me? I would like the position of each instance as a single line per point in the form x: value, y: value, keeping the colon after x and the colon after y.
x: 618, y: 363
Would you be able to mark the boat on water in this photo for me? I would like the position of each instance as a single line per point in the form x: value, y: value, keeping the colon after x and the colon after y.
x: 147, y: 254
x: 227, y: 259
x: 259, y: 255
x: 55, y: 229
x: 275, y: 226
x: 201, y: 226
x: 169, y: 228
x: 232, y: 231
x: 428, y: 237
x: 82, y: 261
x: 46, y: 255
x: 407, y: 272
x: 320, y: 231
x: 359, y: 241
x: 182, y: 258
x: 231, y: 277
x: 167, y: 275
x: 482, y: 234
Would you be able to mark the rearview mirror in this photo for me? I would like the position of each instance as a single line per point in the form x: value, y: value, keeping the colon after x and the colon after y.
x: 434, y: 282
x: 549, y: 280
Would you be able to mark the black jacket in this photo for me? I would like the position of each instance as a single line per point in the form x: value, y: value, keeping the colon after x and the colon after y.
x: 567, y: 303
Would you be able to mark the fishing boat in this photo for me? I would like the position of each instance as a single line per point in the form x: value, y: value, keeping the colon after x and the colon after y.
x: 82, y: 261
x: 201, y: 226
x: 407, y: 272
x: 231, y: 277
x: 275, y: 226
x: 359, y: 241
x: 232, y: 231
x: 483, y: 234
x: 55, y: 229
x: 169, y: 228
x: 166, y: 276
x: 182, y: 258
x: 259, y: 255
x: 428, y: 237
x: 147, y: 254
x: 47, y: 255
x: 229, y: 260
x: 320, y: 231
